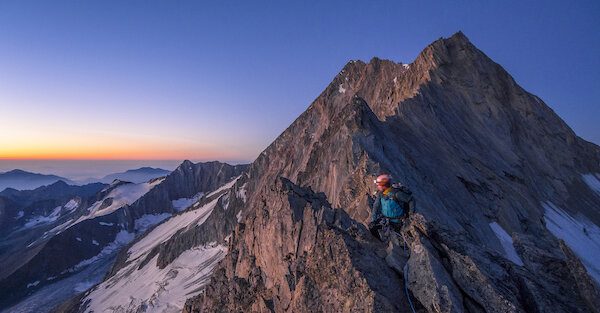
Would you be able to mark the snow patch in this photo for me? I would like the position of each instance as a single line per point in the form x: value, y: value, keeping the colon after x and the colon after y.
x: 19, y: 215
x: 406, y: 66
x: 37, y: 220
x: 83, y: 286
x: 239, y: 216
x: 122, y: 238
x: 507, y: 243
x: 395, y: 80
x: 593, y: 181
x: 226, y: 186
x: 342, y: 89
x: 148, y: 220
x: 114, y: 183
x: 582, y: 236
x: 35, y: 283
x: 71, y: 205
x: 78, y: 239
x: 241, y: 194
x: 106, y: 224
x: 226, y: 201
x: 121, y: 196
x: 183, y: 203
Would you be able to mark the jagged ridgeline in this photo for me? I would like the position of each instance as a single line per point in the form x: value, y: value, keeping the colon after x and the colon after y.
x: 58, y: 240
x: 508, y: 201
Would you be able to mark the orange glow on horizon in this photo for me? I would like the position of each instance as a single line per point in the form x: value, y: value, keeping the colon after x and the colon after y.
x: 114, y: 156
x: 37, y: 145
x: 122, y: 153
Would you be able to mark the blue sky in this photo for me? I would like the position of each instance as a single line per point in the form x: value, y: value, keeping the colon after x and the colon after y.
x: 220, y: 80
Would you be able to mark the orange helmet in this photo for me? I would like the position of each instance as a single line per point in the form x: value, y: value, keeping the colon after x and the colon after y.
x: 383, y: 180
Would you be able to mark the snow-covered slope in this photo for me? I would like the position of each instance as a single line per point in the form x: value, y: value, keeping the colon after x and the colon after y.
x: 93, y: 233
x: 124, y: 194
x: 142, y: 285
x: 151, y: 289
x: 582, y: 236
x: 93, y: 242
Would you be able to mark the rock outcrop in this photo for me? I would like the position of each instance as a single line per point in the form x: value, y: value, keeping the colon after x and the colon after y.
x: 316, y: 259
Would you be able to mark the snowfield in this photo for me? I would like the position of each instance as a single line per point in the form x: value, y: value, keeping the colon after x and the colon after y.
x: 147, y: 220
x: 123, y: 238
x: 150, y: 289
x: 582, y: 236
x: 507, y: 243
x: 71, y: 205
x: 183, y: 203
x: 123, y: 195
x: 37, y: 220
x: 593, y: 180
x: 224, y: 187
x: 167, y: 229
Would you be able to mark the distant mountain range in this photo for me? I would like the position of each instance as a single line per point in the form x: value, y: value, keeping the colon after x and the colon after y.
x: 140, y: 175
x: 23, y: 180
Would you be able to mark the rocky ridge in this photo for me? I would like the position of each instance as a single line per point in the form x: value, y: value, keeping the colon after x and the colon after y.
x: 158, y: 269
x: 93, y: 237
x: 489, y: 165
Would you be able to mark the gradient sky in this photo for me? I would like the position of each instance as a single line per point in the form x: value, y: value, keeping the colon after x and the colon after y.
x: 220, y: 80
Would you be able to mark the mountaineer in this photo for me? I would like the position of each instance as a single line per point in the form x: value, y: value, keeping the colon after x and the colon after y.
x: 392, y: 204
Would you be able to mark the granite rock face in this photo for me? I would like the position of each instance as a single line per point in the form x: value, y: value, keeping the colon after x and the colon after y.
x: 316, y: 259
x: 497, y: 175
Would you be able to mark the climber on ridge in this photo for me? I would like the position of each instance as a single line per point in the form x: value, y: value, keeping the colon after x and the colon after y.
x: 392, y: 204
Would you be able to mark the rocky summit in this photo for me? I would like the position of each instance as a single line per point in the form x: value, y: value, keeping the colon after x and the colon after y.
x: 506, y: 219
x: 508, y: 199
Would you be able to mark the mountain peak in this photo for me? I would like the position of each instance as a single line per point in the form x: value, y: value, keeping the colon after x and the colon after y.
x: 59, y: 183
x: 18, y: 171
x: 145, y: 168
x: 447, y: 50
x: 187, y: 163
x: 459, y: 36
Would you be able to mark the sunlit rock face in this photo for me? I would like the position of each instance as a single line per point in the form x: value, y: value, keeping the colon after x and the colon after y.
x: 484, y: 158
